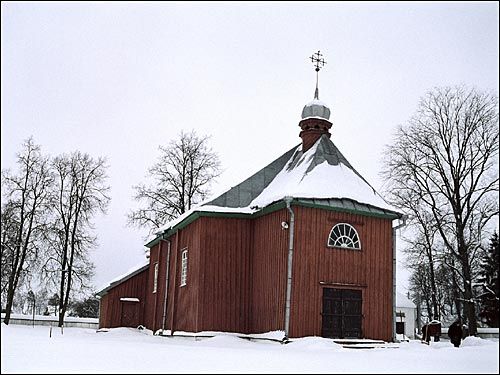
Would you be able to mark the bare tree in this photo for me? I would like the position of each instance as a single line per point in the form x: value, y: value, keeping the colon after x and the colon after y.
x: 80, y: 192
x: 181, y: 178
x: 422, y: 247
x: 421, y: 250
x: 23, y: 214
x: 420, y: 289
x: 8, y: 240
x: 447, y: 156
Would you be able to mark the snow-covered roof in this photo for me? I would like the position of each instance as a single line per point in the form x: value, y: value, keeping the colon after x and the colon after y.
x: 320, y: 173
x: 404, y: 302
x: 316, y: 102
x: 123, y: 277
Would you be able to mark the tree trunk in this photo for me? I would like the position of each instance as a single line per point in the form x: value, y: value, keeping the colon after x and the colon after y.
x: 10, y: 300
x: 456, y: 293
x: 433, y: 287
x: 61, y: 294
x: 429, y: 308
x: 469, y: 307
x: 61, y: 308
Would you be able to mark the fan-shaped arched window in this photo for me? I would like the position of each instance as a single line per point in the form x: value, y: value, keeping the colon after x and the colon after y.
x: 344, y: 235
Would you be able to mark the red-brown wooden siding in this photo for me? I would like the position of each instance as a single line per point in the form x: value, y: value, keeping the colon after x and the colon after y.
x: 224, y: 299
x: 110, y: 306
x: 182, y: 301
x: 237, y: 271
x: 270, y: 252
x: 368, y: 269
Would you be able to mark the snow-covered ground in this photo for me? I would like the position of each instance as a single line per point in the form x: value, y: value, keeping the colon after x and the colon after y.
x: 28, y: 349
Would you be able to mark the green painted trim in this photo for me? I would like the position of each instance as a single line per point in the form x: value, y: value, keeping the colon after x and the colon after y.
x: 271, y: 208
x: 152, y: 243
x: 197, y: 214
x: 238, y: 215
x: 348, y: 210
x: 266, y: 210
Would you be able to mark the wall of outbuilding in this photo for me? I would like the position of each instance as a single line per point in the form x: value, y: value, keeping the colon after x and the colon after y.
x: 110, y: 306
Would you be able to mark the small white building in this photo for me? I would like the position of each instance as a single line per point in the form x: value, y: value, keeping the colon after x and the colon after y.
x: 406, y: 316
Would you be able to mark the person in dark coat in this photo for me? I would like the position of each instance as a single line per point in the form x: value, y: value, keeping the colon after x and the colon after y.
x: 455, y: 333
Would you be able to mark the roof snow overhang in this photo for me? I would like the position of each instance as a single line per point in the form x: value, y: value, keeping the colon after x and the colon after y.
x: 122, y: 279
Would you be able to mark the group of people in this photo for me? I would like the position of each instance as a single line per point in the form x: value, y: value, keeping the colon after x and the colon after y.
x: 455, y: 332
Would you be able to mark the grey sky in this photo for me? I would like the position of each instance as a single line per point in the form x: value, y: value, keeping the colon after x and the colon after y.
x: 119, y: 79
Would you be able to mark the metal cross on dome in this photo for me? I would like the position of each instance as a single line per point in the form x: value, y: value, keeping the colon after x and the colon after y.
x: 318, y: 60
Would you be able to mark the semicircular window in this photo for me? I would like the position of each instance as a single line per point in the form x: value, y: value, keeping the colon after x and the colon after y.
x: 344, y: 235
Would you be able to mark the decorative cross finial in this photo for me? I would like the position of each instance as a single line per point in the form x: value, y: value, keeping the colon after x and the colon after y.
x: 318, y: 60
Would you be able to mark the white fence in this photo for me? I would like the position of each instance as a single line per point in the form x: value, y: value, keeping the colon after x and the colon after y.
x: 45, y: 320
x: 484, y: 333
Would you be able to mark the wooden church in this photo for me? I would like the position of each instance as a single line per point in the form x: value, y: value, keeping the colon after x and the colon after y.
x: 305, y: 246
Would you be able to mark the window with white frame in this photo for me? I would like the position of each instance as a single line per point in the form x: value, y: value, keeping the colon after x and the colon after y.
x: 184, y: 267
x: 344, y: 235
x: 155, y: 279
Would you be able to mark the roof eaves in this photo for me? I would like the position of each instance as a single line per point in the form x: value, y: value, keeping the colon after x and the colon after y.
x: 348, y: 205
x: 196, y: 214
x: 104, y: 291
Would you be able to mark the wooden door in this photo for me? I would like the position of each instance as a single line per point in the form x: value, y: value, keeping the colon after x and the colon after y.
x: 342, y: 313
x: 130, y: 314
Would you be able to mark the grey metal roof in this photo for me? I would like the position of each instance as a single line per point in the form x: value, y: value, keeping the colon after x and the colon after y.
x: 242, y: 194
x: 344, y: 204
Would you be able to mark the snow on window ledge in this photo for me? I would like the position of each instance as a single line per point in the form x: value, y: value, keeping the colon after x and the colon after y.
x: 129, y: 299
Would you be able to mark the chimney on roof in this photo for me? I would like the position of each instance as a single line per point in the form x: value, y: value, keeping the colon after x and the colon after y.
x: 316, y: 114
x: 313, y: 127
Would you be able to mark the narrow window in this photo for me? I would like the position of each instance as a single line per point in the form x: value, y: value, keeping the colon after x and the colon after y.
x: 344, y: 235
x: 155, y: 280
x: 184, y: 267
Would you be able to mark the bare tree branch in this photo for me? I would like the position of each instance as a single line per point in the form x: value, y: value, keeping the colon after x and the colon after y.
x: 182, y: 176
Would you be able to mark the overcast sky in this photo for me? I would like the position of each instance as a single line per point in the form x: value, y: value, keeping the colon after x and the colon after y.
x: 119, y: 79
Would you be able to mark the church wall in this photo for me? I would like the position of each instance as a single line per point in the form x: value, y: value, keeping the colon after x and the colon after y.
x: 151, y: 298
x: 269, y: 270
x: 182, y: 301
x: 316, y: 266
x: 154, y: 300
x: 225, y: 277
x: 237, y: 272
